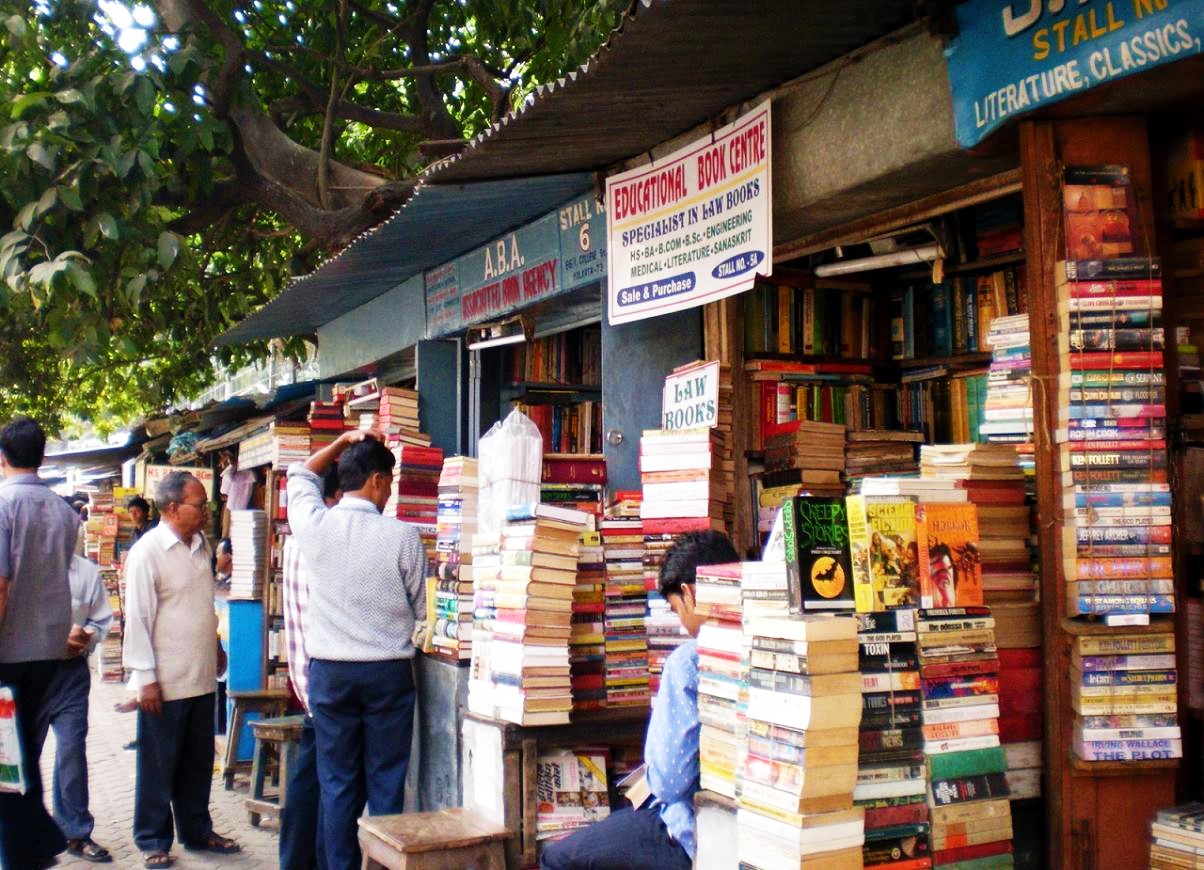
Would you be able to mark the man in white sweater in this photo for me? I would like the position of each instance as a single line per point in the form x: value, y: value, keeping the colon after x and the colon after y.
x: 171, y: 646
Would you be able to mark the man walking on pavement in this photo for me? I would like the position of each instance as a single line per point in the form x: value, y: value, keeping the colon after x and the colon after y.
x: 366, y: 591
x: 37, y: 540
x: 172, y: 648
x: 301, y: 818
x: 66, y: 710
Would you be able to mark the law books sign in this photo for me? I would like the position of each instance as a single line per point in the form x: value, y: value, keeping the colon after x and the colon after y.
x: 1011, y: 57
x: 691, y: 397
x: 694, y: 226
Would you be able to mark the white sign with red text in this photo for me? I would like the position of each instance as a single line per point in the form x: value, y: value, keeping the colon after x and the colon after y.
x: 692, y: 227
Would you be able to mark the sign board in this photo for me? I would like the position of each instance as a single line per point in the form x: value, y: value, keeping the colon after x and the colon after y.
x: 156, y: 473
x: 692, y: 227
x: 691, y: 398
x: 1011, y: 57
x: 562, y: 251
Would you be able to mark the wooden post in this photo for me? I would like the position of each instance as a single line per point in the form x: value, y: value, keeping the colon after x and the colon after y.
x: 1099, y: 814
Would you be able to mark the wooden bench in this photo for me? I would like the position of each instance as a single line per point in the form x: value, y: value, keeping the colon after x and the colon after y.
x: 267, y: 703
x: 443, y: 840
x: 276, y: 744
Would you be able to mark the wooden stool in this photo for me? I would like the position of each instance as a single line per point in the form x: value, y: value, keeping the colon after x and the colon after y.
x: 280, y: 739
x: 266, y: 702
x: 445, y: 840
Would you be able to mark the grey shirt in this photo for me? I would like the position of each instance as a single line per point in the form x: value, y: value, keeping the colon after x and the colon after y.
x: 37, y: 541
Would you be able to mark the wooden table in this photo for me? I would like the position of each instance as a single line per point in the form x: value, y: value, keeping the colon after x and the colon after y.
x: 443, y: 840
x: 499, y: 766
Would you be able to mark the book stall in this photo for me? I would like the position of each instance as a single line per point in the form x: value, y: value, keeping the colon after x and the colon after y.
x: 106, y: 541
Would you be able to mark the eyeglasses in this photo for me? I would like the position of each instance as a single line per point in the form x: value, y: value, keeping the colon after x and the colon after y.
x: 199, y: 505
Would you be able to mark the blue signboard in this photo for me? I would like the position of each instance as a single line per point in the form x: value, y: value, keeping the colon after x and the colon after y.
x: 1011, y: 57
x: 562, y: 251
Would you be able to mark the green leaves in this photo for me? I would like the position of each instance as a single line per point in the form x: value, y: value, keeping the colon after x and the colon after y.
x: 169, y: 249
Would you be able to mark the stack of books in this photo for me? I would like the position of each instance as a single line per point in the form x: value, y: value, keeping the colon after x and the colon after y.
x: 533, y: 609
x: 816, y: 534
x: 968, y: 795
x: 1112, y: 437
x: 815, y: 451
x: 682, y: 473
x: 587, y: 642
x: 108, y: 653
x: 665, y: 633
x: 721, y: 665
x: 1008, y: 410
x: 326, y: 424
x: 798, y: 758
x: 881, y: 451
x: 892, y: 779
x: 415, y: 498
x: 578, y: 496
x: 1177, y: 837
x: 484, y: 571
x: 398, y: 410
x: 290, y: 443
x: 1123, y: 692
x: 456, y: 523
x: 627, y: 682
x: 248, y: 544
x: 571, y: 791
x: 1021, y: 719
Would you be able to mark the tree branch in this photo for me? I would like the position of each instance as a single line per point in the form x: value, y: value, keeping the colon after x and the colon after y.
x: 332, y: 101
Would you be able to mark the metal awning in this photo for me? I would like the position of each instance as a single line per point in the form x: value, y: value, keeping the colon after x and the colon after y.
x: 438, y: 224
x: 668, y: 67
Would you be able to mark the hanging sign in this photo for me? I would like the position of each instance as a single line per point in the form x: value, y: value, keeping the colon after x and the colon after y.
x: 582, y: 242
x: 155, y: 475
x: 1011, y: 57
x: 692, y: 227
x: 442, y: 300
x: 691, y: 398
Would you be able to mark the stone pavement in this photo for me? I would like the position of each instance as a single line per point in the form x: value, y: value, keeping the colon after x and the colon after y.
x: 111, y: 780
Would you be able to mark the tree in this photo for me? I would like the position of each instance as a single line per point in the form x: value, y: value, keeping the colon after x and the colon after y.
x: 167, y: 170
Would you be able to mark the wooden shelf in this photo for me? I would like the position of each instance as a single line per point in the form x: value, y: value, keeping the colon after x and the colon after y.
x: 548, y: 387
x: 1012, y: 258
x: 965, y: 360
x: 1078, y: 767
x: 772, y: 356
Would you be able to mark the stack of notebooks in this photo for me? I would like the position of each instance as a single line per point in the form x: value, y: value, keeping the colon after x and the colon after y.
x: 1177, y: 837
x: 455, y: 526
x: 587, y: 642
x: 813, y: 452
x: 415, y: 498
x: 484, y: 571
x: 1112, y: 438
x: 1124, y: 695
x: 1008, y: 411
x: 248, y: 543
x: 892, y: 779
x: 721, y: 664
x: 968, y: 795
x: 881, y: 451
x: 798, y: 756
x: 682, y: 473
x: 533, y: 609
x: 627, y: 682
x: 326, y: 424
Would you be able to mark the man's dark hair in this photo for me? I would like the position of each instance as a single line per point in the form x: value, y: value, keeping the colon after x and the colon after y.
x: 23, y: 443
x: 360, y: 461
x: 687, y: 553
x: 139, y: 502
x: 171, y: 489
x: 330, y: 483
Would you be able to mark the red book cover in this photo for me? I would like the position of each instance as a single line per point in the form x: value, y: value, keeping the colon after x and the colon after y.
x: 1126, y: 287
x: 1020, y: 727
x: 957, y: 669
x: 1146, y: 444
x: 1121, y: 359
x: 1010, y: 659
x: 1020, y: 703
x: 969, y: 853
x: 1019, y: 681
x: 903, y: 814
x: 681, y: 525
x: 573, y: 469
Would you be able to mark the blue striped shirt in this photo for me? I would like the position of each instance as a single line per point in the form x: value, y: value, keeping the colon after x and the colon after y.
x: 671, y: 745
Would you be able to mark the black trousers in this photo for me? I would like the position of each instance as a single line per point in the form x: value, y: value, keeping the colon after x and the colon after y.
x: 28, y: 835
x: 174, y: 774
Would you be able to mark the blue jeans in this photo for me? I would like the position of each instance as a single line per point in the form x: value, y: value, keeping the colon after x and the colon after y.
x: 625, y: 840
x: 66, y: 711
x: 174, y: 773
x: 364, y: 722
x: 28, y: 835
x: 302, y: 817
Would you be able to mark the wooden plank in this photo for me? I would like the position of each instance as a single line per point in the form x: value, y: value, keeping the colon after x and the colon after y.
x: 529, y: 756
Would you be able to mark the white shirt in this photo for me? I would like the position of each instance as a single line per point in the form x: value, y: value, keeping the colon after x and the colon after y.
x: 89, y: 600
x: 367, y: 575
x: 171, y: 626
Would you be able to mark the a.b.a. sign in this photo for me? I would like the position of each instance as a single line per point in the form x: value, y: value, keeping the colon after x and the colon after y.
x: 691, y: 397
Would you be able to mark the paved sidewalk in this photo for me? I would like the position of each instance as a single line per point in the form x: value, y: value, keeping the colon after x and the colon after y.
x: 111, y: 780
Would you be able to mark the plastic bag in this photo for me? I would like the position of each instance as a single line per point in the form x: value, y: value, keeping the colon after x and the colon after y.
x: 12, y: 771
x: 509, y: 465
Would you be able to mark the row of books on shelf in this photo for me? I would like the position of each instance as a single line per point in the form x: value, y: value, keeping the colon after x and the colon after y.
x: 567, y: 428
x: 572, y: 357
x: 812, y: 321
x: 952, y: 317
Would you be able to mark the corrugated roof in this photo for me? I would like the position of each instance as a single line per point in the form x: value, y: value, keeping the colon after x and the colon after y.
x: 669, y: 66
x: 438, y: 224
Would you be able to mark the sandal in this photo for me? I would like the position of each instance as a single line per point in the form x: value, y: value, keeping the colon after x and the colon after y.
x: 216, y: 843
x: 157, y: 859
x: 89, y: 850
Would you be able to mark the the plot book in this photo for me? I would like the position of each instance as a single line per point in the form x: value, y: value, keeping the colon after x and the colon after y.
x: 950, y: 562
x: 817, y: 554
